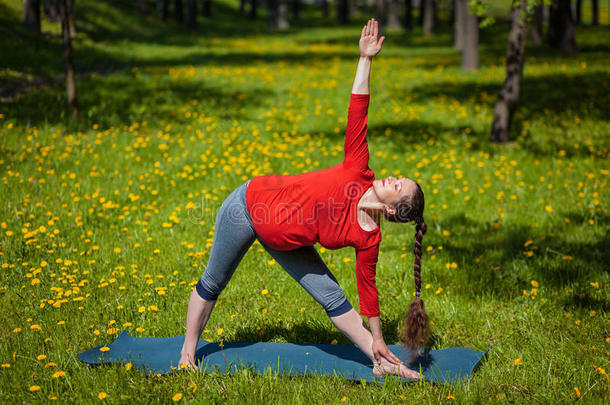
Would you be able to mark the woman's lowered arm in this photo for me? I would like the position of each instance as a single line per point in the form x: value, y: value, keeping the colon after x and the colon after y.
x: 369, y: 47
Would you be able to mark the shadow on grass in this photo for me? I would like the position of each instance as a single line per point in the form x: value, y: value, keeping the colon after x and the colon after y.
x: 125, y: 99
x: 504, y: 269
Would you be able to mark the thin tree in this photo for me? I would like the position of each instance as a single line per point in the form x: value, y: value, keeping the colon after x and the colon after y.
x: 163, y: 9
x: 253, y: 8
x: 561, y: 28
x: 343, y: 11
x: 460, y: 23
x: 470, y: 50
x: 191, y: 19
x: 381, y: 11
x: 429, y: 17
x: 178, y: 11
x: 509, y: 94
x: 31, y: 14
x: 296, y: 9
x: 325, y: 10
x: 537, y: 21
x: 408, y: 17
x: 393, y: 17
x: 595, y: 16
x: 278, y: 14
x: 206, y: 8
x: 578, y: 17
x: 66, y: 8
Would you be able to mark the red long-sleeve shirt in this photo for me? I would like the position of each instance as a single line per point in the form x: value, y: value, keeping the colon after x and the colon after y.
x: 290, y: 211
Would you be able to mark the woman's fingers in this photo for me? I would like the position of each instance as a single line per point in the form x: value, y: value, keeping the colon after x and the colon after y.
x: 363, y: 31
x: 381, y: 41
x: 375, y: 29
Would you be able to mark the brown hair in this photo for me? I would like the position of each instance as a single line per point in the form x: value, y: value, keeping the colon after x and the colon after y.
x: 409, y: 209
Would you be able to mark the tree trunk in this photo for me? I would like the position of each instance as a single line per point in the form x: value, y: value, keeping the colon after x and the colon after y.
x: 242, y: 6
x: 31, y: 14
x: 142, y: 6
x: 191, y: 20
x: 253, y: 7
x: 461, y: 10
x: 453, y: 6
x: 408, y: 19
x: 163, y: 9
x: 595, y: 16
x: 561, y: 28
x: 206, y: 8
x: 296, y: 9
x: 470, y: 53
x: 178, y: 11
x: 352, y: 9
x: 393, y: 14
x: 325, y: 10
x: 422, y: 6
x: 66, y: 13
x: 277, y: 15
x: 380, y: 11
x: 429, y: 17
x: 509, y: 95
x: 343, y: 11
x: 52, y: 11
x: 282, y: 21
x: 578, y: 19
x: 536, y: 28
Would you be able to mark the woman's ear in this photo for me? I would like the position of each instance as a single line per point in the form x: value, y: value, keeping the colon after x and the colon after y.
x: 389, y: 209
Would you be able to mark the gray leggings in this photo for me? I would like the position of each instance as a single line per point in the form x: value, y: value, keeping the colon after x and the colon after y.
x: 233, y: 236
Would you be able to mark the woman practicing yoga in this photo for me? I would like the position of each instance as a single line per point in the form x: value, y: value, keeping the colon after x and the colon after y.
x: 337, y: 207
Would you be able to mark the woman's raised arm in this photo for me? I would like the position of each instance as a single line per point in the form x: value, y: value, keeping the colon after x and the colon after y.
x: 369, y: 47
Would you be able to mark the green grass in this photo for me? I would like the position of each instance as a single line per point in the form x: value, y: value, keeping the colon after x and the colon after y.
x: 113, y: 212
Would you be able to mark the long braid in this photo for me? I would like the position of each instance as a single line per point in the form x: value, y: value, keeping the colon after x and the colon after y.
x: 416, y: 327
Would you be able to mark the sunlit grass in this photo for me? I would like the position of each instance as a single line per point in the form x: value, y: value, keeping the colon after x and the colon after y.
x: 107, y: 221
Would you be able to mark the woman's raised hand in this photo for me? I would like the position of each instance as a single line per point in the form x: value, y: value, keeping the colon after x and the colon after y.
x: 369, y: 44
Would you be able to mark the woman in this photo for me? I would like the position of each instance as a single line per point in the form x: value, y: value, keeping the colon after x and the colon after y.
x: 337, y: 207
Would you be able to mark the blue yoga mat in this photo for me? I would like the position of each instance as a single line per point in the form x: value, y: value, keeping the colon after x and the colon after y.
x: 161, y: 356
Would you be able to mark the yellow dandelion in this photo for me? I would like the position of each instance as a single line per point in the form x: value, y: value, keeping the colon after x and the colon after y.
x: 577, y: 391
x: 5, y: 365
x: 534, y: 283
x: 35, y: 327
x: 334, y: 342
x: 343, y: 399
x: 141, y: 309
x: 450, y: 398
x: 219, y: 331
x: 128, y: 366
x: 177, y: 397
x: 35, y: 388
x: 104, y: 349
x: 346, y: 260
x: 58, y: 374
x: 17, y: 330
x: 117, y: 250
x: 102, y: 395
x: 139, y: 329
x: 265, y: 292
x: 41, y: 356
x: 548, y: 208
x: 517, y: 362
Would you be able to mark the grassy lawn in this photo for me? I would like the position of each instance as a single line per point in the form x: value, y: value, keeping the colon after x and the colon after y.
x: 107, y: 220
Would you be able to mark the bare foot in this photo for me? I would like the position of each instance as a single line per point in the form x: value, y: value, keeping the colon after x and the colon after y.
x: 388, y: 368
x: 187, y: 363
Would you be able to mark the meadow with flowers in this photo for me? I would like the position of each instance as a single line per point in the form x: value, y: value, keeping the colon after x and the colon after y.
x: 107, y: 219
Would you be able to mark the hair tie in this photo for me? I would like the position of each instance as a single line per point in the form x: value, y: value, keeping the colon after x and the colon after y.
x: 419, y: 220
x: 417, y: 294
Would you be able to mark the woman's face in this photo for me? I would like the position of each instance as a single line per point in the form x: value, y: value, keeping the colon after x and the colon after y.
x: 392, y: 189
